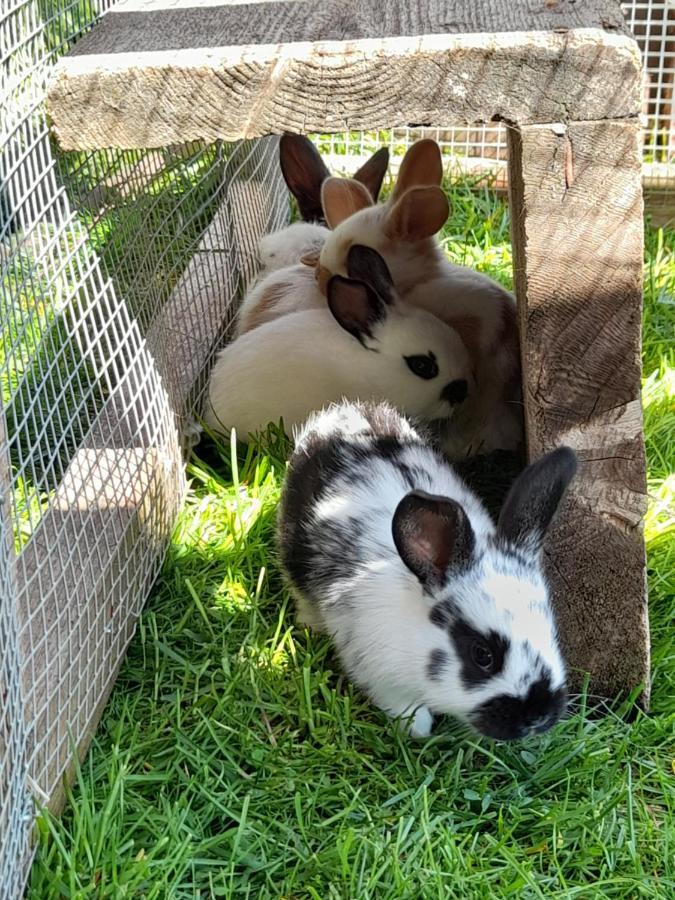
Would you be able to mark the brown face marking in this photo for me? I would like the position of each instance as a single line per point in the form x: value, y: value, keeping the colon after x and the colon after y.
x: 323, y: 276
x: 264, y: 311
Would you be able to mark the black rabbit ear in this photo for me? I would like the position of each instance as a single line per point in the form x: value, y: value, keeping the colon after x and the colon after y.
x: 371, y: 174
x: 534, y: 498
x: 366, y: 264
x: 355, y: 306
x: 433, y: 535
x: 304, y: 172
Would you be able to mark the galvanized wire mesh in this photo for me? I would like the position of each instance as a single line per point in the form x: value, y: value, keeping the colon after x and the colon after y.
x: 16, y: 808
x: 119, y: 274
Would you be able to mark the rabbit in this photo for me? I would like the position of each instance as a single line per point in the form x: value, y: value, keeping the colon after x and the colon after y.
x: 432, y: 608
x: 364, y: 344
x: 277, y: 293
x: 300, y: 242
x: 484, y: 313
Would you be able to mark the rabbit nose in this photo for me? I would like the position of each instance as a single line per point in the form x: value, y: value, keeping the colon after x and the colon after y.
x: 455, y: 392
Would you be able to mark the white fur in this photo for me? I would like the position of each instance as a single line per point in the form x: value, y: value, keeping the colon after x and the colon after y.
x: 286, y: 246
x: 378, y: 616
x: 305, y: 360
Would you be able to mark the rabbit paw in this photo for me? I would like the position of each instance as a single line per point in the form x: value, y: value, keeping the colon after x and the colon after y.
x: 415, y: 721
x: 421, y: 723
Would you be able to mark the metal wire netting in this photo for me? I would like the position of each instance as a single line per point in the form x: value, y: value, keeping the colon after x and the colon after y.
x: 118, y: 280
x: 119, y: 275
x: 16, y: 808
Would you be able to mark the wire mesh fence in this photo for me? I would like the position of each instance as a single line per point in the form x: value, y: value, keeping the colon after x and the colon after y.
x: 119, y: 276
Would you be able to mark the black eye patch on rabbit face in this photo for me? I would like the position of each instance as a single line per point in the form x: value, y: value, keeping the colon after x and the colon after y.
x: 481, y: 655
x: 424, y: 365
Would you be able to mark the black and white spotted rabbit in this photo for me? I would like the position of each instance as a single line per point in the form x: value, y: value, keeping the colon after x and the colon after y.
x: 432, y: 607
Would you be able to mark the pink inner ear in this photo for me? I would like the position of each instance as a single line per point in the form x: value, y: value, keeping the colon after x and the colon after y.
x: 431, y: 543
x: 419, y: 213
x: 422, y: 547
x: 341, y: 198
x: 422, y: 165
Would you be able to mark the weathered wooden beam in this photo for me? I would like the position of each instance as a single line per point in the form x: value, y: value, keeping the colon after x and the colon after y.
x: 157, y: 72
x: 93, y: 553
x: 201, y: 307
x: 92, y: 557
x: 577, y: 233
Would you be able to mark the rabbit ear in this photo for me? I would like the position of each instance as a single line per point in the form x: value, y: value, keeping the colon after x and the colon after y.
x: 355, y: 306
x: 534, y: 498
x: 422, y: 166
x: 341, y: 198
x: 417, y: 214
x: 304, y: 172
x: 366, y: 264
x: 371, y: 174
x: 432, y: 535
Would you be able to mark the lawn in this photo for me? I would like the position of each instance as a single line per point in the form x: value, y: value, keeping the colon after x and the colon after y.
x: 234, y: 760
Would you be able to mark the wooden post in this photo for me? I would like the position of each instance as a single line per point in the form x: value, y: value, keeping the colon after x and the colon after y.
x: 577, y: 233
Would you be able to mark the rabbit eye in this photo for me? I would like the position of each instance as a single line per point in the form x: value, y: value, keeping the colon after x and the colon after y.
x: 424, y: 365
x: 482, y: 656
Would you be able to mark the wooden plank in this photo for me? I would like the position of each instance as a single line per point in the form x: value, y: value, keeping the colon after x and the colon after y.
x: 153, y: 72
x: 89, y: 563
x: 94, y: 552
x: 577, y: 235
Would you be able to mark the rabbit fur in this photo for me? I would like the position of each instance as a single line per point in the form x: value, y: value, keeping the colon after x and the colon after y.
x: 304, y: 173
x: 282, y: 291
x: 364, y: 343
x: 431, y: 607
x: 300, y: 243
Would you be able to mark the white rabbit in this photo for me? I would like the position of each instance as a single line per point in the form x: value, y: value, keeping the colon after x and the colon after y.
x: 431, y: 607
x: 299, y: 242
x: 402, y: 230
x: 364, y: 344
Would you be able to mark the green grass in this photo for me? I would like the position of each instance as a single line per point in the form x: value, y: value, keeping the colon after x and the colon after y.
x: 235, y: 760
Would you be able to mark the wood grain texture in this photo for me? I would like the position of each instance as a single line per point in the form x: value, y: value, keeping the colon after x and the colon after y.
x: 89, y: 563
x: 74, y: 610
x: 578, y: 242
x: 148, y: 75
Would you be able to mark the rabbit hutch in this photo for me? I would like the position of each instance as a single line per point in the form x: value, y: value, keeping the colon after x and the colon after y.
x: 139, y: 168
